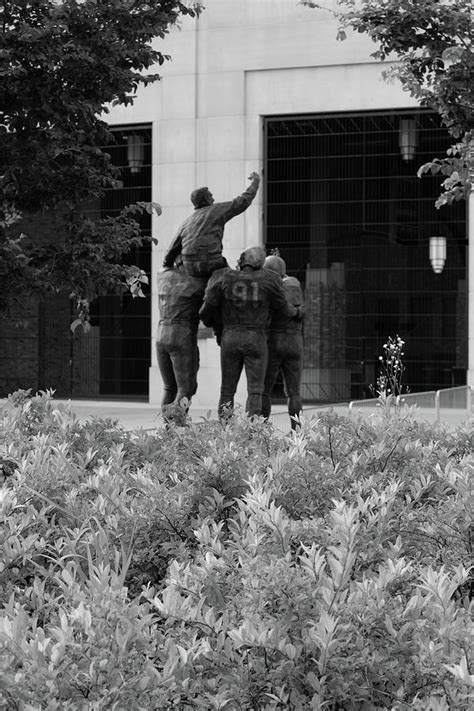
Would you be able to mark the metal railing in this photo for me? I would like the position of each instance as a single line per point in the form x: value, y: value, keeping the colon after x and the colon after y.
x: 458, y: 398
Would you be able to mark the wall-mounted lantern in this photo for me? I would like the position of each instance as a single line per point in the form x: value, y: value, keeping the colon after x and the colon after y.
x: 437, y: 253
x: 408, y: 138
x: 135, y: 152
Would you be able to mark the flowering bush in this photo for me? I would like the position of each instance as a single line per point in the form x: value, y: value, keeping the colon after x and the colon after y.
x: 233, y: 567
x: 390, y: 378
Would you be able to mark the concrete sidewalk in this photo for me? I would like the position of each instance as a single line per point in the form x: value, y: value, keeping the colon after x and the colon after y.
x: 145, y: 416
x: 132, y: 415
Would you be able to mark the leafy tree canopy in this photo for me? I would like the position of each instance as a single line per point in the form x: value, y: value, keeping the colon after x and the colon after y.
x: 62, y: 62
x: 431, y: 42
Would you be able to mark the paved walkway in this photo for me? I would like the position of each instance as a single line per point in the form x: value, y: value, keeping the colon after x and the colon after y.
x: 144, y: 416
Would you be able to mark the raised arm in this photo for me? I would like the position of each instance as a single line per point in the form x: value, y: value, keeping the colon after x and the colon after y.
x: 242, y: 202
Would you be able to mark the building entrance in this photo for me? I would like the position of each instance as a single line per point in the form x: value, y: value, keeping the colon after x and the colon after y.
x: 352, y: 220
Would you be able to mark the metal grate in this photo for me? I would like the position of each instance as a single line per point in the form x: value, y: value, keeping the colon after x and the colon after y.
x: 115, y: 358
x: 352, y: 221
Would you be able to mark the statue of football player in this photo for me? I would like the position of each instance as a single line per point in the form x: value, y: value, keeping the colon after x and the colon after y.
x: 199, y: 238
x: 285, y: 345
x: 240, y: 303
x: 180, y: 298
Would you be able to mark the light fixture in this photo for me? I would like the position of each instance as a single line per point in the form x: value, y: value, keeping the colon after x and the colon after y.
x: 408, y: 138
x: 437, y: 253
x: 135, y: 152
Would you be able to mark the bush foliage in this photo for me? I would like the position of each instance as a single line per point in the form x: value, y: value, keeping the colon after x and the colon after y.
x: 234, y: 567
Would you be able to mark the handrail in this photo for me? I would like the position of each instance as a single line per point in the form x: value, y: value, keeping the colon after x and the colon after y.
x: 436, y: 394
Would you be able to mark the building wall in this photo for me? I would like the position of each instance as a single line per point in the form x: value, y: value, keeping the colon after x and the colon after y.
x: 238, y: 62
x: 19, y: 350
x: 35, y: 354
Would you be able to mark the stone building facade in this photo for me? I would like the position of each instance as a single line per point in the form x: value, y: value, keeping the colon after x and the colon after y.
x: 264, y: 85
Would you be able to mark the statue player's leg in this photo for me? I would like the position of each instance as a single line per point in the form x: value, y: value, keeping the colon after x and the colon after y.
x: 165, y: 365
x: 256, y: 360
x: 185, y: 358
x: 271, y: 375
x: 292, y: 370
x: 231, y: 368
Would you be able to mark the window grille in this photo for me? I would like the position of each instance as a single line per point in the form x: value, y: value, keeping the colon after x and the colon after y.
x: 353, y: 221
x: 117, y: 352
x: 113, y: 359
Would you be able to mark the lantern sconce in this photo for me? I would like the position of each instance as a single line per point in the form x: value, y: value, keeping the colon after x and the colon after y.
x: 135, y: 152
x: 408, y: 138
x: 437, y: 253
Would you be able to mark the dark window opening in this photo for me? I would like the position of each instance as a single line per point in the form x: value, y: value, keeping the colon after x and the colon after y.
x: 121, y: 325
x: 113, y: 359
x: 352, y: 221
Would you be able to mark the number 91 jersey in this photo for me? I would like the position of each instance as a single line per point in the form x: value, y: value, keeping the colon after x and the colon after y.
x: 246, y: 298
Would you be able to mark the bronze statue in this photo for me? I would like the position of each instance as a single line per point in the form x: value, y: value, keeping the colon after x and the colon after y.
x: 285, y: 345
x: 180, y: 297
x: 199, y: 238
x: 238, y: 304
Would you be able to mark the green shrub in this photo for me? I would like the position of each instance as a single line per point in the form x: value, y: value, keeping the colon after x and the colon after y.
x: 233, y: 567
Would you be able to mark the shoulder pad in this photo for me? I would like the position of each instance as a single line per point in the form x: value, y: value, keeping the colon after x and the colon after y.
x: 291, y: 281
